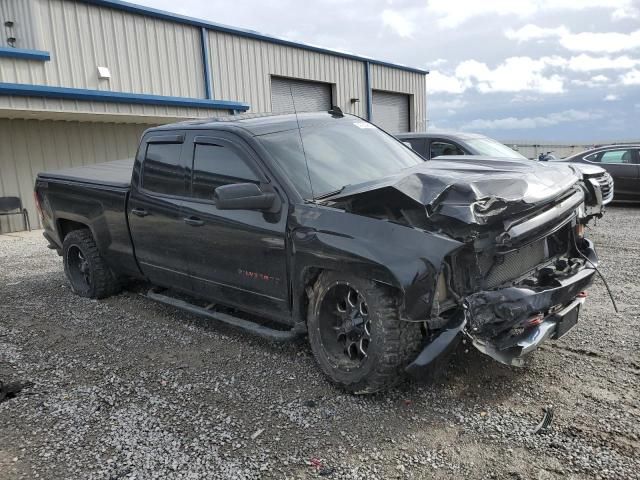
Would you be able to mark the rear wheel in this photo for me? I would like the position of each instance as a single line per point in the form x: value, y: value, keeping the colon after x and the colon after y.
x: 356, y: 334
x: 85, y: 268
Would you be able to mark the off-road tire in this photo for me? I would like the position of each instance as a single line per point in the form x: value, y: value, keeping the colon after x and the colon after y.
x: 394, y: 343
x: 103, y: 282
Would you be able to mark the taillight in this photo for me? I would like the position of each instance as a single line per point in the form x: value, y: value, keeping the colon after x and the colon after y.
x: 537, y: 319
x: 38, y: 207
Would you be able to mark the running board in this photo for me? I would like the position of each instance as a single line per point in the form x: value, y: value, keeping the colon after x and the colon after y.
x: 246, y: 325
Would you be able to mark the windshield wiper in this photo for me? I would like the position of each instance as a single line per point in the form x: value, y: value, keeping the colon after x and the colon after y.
x: 330, y: 194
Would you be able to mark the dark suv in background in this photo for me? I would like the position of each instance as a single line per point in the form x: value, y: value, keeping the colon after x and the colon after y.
x: 435, y: 143
x: 622, y: 162
x: 438, y: 143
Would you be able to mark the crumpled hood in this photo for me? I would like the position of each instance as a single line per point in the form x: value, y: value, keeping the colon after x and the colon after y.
x: 584, y: 168
x: 474, y: 189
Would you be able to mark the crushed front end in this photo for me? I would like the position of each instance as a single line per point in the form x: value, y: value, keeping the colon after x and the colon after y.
x: 513, y: 287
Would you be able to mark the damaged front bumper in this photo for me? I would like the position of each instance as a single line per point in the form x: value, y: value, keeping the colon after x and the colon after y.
x: 509, y: 323
x: 553, y: 327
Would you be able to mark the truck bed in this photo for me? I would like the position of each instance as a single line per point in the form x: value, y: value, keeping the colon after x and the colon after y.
x: 112, y: 174
x: 95, y: 196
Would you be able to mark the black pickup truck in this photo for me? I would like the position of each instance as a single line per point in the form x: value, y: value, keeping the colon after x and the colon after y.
x: 323, y: 224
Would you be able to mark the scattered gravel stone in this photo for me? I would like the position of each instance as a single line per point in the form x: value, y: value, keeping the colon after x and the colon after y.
x: 125, y: 388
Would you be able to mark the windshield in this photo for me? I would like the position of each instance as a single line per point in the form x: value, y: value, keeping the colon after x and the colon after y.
x: 339, y: 152
x: 492, y: 148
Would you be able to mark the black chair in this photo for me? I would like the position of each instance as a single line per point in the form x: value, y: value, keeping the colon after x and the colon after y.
x: 13, y: 206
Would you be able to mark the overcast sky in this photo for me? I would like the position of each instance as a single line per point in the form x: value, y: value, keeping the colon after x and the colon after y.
x: 561, y: 70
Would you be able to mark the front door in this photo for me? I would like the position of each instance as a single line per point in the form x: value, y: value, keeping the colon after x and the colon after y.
x: 622, y: 164
x: 236, y: 257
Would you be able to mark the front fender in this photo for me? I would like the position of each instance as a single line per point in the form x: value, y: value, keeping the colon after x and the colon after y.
x: 400, y: 256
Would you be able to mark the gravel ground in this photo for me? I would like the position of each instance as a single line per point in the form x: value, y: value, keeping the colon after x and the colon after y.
x: 127, y: 388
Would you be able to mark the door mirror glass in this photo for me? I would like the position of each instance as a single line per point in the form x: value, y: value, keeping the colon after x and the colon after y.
x: 243, y: 196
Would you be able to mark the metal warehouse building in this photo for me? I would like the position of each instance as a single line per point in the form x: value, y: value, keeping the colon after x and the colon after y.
x: 81, y: 79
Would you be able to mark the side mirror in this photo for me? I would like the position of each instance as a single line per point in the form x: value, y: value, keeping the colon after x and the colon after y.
x: 407, y: 144
x: 243, y: 196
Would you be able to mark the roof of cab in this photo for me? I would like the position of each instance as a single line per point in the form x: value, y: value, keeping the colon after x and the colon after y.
x: 440, y: 134
x: 257, y: 123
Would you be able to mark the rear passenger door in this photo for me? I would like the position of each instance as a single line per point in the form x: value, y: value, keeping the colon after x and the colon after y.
x: 235, y: 256
x: 159, y: 186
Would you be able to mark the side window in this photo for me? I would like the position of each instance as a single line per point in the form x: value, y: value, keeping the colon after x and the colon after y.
x: 616, y: 156
x: 445, y: 148
x: 416, y: 143
x: 162, y: 170
x: 216, y: 165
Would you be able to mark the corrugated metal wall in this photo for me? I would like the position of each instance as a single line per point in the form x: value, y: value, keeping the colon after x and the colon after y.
x: 153, y: 56
x: 414, y: 84
x: 145, y: 55
x: 21, y: 12
x: 31, y: 146
x: 242, y: 68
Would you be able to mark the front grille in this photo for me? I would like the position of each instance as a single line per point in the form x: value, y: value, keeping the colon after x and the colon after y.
x: 513, y: 265
x: 500, y: 269
x: 606, y: 185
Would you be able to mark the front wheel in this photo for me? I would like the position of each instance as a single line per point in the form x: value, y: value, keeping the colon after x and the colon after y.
x: 356, y: 334
x: 85, y: 268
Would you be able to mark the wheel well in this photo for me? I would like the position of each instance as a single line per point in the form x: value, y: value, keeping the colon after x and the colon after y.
x: 65, y: 227
x: 309, y: 278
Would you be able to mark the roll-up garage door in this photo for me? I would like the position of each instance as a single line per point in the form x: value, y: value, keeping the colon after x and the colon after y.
x: 309, y: 96
x: 390, y: 111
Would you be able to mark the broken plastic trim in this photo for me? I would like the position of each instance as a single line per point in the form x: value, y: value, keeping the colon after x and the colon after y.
x: 440, y: 345
x: 518, y: 231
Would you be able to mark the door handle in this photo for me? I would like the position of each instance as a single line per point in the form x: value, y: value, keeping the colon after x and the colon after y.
x: 140, y: 212
x: 193, y: 221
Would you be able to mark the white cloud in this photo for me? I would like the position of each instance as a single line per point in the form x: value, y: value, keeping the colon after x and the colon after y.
x: 524, y: 98
x: 597, y: 81
x: 631, y: 78
x: 400, y: 24
x: 515, y: 123
x: 440, y: 83
x: 611, y: 98
x: 515, y: 74
x: 438, y: 62
x: 452, y: 13
x: 546, y: 75
x: 534, y: 32
x: 447, y: 104
x: 605, y: 42
x: 587, y: 63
